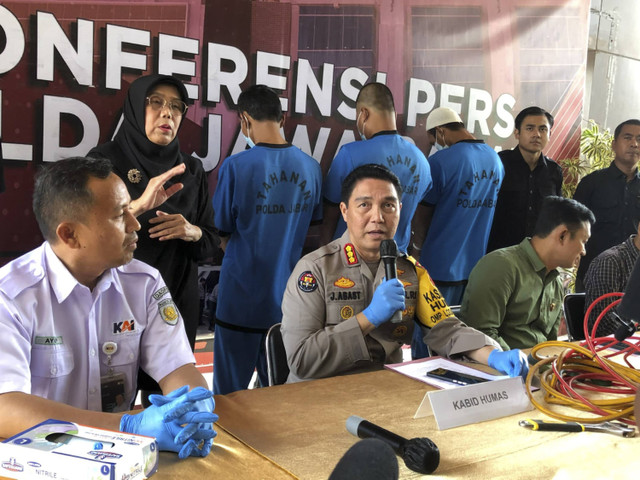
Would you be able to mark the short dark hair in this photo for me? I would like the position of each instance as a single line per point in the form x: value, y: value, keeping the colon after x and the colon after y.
x: 453, y: 126
x: 377, y: 96
x: 631, y: 121
x: 532, y: 111
x: 557, y: 211
x: 368, y: 170
x: 61, y: 194
x: 261, y: 102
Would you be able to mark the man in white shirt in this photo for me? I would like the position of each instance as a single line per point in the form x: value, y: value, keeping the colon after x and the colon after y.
x: 79, y: 316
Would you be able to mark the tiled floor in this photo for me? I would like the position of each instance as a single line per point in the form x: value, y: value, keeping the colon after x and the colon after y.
x: 204, y: 355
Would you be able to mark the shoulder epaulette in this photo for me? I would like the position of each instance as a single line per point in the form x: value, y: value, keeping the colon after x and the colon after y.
x: 19, y: 275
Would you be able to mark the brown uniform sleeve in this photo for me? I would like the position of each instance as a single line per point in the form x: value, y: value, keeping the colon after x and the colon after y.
x: 451, y: 337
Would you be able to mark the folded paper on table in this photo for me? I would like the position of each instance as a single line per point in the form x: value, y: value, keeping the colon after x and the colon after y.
x: 418, y: 369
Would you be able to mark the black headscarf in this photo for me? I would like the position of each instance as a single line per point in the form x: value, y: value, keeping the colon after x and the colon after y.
x: 136, y: 160
x: 140, y: 152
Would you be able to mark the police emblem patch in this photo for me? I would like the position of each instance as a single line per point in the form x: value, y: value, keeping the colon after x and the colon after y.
x: 307, y: 282
x: 346, y: 312
x: 168, y: 311
x: 344, y: 282
x: 350, y: 252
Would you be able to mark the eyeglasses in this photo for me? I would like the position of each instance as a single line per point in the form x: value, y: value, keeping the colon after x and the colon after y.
x: 177, y: 107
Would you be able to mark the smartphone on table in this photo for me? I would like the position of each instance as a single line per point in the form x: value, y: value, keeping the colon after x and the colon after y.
x: 455, y: 377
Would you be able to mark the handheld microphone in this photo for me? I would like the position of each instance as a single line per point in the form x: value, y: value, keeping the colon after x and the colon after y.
x: 388, y: 254
x: 419, y: 454
x: 368, y: 459
x: 624, y: 331
x: 629, y: 307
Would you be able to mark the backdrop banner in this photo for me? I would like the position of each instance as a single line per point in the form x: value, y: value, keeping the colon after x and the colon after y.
x: 65, y: 67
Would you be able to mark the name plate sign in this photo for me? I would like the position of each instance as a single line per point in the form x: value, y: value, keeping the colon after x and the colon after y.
x: 479, y: 402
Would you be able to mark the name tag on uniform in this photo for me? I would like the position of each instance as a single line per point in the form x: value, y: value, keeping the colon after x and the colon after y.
x: 49, y: 340
x: 479, y: 402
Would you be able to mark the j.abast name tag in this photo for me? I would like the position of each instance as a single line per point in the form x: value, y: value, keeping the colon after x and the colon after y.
x: 478, y: 402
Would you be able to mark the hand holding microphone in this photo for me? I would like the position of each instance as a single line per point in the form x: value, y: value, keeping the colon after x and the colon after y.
x: 387, y: 299
x: 419, y: 454
x: 388, y: 254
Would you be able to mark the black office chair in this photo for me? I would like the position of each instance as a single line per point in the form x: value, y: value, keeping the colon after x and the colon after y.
x: 573, y: 306
x: 277, y: 367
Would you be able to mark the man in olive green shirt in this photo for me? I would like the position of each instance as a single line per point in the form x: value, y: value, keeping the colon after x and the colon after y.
x: 514, y: 294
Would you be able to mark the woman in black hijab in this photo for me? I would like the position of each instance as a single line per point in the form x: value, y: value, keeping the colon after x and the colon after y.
x: 180, y: 232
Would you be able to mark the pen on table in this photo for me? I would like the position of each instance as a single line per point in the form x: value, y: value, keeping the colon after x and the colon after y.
x: 605, y: 427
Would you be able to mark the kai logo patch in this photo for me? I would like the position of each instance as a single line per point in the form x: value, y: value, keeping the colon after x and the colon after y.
x: 168, y: 311
x: 346, y: 312
x: 49, y: 340
x: 406, y: 284
x: 128, y: 326
x: 344, y: 282
x: 400, y: 272
x: 350, y: 253
x: 307, y: 282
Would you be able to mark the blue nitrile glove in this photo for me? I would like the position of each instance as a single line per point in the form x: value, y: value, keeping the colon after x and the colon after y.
x: 165, y: 422
x: 511, y: 362
x: 387, y: 299
x: 197, y: 436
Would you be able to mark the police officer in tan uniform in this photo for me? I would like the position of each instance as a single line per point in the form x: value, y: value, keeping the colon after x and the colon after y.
x: 337, y: 304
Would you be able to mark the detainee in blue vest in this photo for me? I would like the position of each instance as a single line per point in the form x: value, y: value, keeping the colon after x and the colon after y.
x: 264, y: 202
x: 381, y: 144
x: 451, y: 226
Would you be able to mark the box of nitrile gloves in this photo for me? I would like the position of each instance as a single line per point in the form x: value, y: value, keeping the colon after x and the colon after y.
x: 68, y: 451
